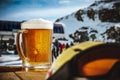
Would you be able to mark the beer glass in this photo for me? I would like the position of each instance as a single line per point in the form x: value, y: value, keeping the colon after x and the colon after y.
x: 33, y: 43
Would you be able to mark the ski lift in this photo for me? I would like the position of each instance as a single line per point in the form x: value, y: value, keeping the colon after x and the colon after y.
x: 58, y: 30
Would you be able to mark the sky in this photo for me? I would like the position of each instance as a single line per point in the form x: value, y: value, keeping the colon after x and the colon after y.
x: 19, y: 10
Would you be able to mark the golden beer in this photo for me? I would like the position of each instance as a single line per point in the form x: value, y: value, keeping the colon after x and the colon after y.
x: 37, y: 44
x: 35, y: 50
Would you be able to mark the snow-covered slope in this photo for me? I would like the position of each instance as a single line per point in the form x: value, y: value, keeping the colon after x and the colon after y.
x: 98, y: 24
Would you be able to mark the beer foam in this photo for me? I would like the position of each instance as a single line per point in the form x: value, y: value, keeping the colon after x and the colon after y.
x: 37, y: 24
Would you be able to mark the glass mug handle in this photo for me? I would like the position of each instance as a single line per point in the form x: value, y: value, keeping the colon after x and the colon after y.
x: 19, y: 46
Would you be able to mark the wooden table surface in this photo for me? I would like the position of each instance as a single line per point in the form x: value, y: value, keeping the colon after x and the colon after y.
x: 17, y: 73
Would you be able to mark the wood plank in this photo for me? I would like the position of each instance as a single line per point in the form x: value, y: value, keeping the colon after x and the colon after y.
x: 32, y: 75
x: 8, y: 76
x: 17, y: 73
x: 22, y: 75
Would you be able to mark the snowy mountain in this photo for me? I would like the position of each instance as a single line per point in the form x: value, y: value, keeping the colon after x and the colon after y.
x: 98, y: 22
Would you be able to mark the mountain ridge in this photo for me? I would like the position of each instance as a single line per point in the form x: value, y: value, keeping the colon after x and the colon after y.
x: 94, y: 22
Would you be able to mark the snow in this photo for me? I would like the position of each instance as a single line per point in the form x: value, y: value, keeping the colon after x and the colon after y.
x: 102, y: 5
x: 10, y: 60
x: 72, y: 24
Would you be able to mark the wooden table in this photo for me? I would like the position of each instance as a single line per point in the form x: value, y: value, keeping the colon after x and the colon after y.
x: 17, y: 73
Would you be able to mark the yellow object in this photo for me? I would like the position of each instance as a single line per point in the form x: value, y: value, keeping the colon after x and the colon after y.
x: 70, y: 53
